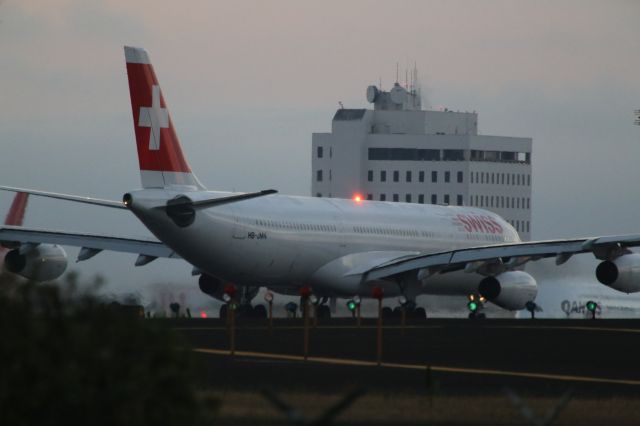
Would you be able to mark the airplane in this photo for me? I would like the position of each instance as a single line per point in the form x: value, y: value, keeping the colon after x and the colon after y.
x: 567, y: 298
x: 38, y: 262
x: 333, y: 247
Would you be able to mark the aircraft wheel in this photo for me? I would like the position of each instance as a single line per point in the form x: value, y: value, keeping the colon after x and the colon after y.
x: 387, y: 312
x: 419, y: 313
x: 223, y: 311
x: 323, y: 312
x: 259, y: 311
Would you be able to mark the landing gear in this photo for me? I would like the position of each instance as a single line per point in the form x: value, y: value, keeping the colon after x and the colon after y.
x: 323, y: 312
x: 245, y: 311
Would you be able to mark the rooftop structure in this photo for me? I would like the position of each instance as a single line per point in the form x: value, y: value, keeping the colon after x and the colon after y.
x: 398, y: 152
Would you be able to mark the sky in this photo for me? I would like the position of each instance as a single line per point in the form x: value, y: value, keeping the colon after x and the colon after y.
x: 248, y: 82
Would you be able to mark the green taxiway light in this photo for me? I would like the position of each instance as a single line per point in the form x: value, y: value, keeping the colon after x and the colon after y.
x: 473, y: 306
x: 591, y: 306
x: 351, y: 305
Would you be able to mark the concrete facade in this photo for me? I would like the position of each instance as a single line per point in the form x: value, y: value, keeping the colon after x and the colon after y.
x: 400, y: 153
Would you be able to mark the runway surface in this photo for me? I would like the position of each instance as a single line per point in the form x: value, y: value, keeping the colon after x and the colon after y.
x: 597, y: 361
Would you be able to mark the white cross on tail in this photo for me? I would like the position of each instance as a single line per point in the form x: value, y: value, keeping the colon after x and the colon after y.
x: 154, y: 117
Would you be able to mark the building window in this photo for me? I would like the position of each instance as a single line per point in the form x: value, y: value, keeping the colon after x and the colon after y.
x: 508, y: 179
x: 396, y: 176
x: 528, y: 183
x: 481, y: 177
x: 319, y: 175
x: 383, y: 197
x: 471, y: 177
x: 434, y: 176
x: 404, y: 154
x: 447, y: 176
x: 527, y: 226
x: 396, y: 197
x: 369, y: 196
x: 421, y: 198
x: 453, y: 155
x: 502, y: 179
x: 421, y: 176
x: 407, y: 198
x: 318, y: 195
x: 330, y: 152
x: 476, y: 203
x: 408, y: 176
x: 518, y: 203
x: 319, y: 152
x: 459, y: 200
x: 370, y: 175
x: 434, y: 199
x: 446, y: 198
x: 460, y: 177
x: 330, y: 175
x: 528, y: 203
x: 383, y: 176
x: 491, y: 201
x: 493, y: 176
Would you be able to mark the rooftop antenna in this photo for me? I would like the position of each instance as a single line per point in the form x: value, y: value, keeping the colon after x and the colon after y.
x: 380, y: 80
x: 397, y: 70
x: 637, y: 120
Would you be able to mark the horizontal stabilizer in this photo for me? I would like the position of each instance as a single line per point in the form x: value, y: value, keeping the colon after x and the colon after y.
x: 75, y: 198
x: 200, y: 204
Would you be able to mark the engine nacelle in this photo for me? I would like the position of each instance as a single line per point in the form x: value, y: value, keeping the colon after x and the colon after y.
x: 44, y: 262
x: 216, y: 288
x: 622, y: 273
x: 510, y: 290
x: 211, y: 286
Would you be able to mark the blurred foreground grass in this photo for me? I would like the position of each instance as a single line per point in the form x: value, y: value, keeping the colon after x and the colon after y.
x: 66, y: 357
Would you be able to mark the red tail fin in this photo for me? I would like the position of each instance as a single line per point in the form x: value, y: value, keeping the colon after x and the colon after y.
x: 161, y: 161
x: 18, y: 207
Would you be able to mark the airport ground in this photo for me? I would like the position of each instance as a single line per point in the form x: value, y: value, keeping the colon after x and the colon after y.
x: 435, y: 371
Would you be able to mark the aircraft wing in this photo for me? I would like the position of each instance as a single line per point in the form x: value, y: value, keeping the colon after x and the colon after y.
x: 92, y: 244
x: 499, y: 258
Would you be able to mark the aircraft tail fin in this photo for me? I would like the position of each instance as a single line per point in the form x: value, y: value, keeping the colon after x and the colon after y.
x: 162, y: 163
x: 17, y: 210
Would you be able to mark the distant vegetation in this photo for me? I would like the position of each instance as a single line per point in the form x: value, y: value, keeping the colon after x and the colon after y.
x: 66, y: 357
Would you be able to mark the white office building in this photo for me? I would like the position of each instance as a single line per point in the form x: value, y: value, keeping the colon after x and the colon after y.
x: 398, y: 152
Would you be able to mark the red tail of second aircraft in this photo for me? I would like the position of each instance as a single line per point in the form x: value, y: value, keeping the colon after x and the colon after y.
x: 16, y: 212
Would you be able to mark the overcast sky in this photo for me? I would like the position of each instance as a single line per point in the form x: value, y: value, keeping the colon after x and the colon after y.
x: 248, y: 82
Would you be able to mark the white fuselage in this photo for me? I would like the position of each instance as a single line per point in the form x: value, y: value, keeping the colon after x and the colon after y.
x: 282, y: 241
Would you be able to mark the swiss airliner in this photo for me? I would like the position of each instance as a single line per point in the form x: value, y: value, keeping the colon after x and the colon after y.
x: 335, y: 247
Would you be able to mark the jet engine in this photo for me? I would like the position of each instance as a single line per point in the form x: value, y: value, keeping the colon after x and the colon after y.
x: 44, y: 262
x: 622, y: 273
x: 211, y: 286
x: 216, y: 287
x: 510, y: 290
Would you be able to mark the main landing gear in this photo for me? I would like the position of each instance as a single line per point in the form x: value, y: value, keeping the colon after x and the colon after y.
x: 244, y: 309
x: 411, y: 309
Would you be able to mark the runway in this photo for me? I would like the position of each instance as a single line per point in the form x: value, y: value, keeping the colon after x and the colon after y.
x: 493, y: 353
x: 434, y: 371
